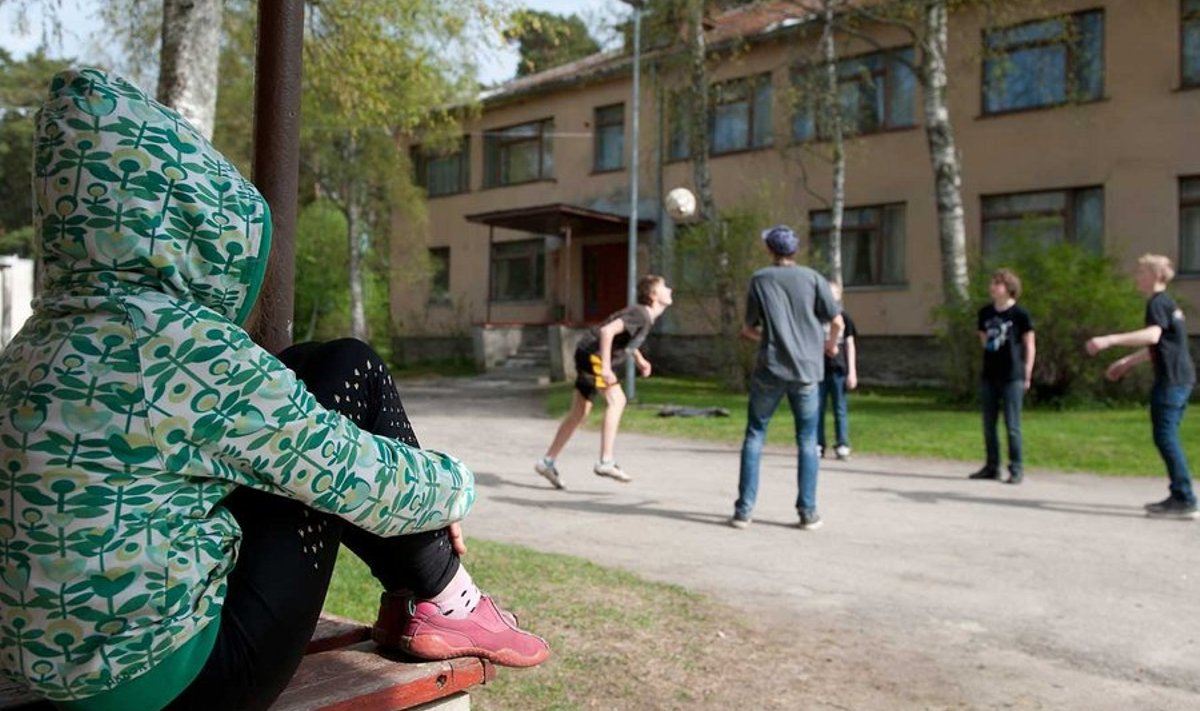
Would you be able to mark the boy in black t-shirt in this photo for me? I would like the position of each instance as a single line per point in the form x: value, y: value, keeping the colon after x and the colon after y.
x: 1163, y: 341
x: 841, y: 376
x: 1009, y: 348
x: 597, y: 356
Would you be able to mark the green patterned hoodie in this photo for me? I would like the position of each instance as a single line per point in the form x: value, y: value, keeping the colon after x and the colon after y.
x: 131, y: 403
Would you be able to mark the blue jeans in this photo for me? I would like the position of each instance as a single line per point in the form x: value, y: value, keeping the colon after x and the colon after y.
x: 1167, y: 404
x: 833, y: 388
x: 990, y: 395
x: 765, y: 393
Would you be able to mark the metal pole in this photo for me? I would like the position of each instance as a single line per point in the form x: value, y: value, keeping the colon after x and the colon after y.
x: 631, y: 291
x: 276, y: 167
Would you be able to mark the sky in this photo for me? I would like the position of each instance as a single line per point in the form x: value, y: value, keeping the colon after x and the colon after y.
x: 79, y: 19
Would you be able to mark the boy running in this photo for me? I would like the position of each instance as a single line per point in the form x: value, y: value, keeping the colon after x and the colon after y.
x: 597, y: 356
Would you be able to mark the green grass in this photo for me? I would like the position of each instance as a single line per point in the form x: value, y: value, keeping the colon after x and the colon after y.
x: 616, y: 639
x: 915, y: 423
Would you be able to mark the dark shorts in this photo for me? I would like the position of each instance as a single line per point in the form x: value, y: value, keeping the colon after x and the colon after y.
x: 587, y: 374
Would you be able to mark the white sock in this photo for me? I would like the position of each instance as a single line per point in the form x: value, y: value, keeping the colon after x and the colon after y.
x: 460, y: 596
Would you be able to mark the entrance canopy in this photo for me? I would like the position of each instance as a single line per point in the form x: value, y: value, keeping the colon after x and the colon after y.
x: 557, y: 219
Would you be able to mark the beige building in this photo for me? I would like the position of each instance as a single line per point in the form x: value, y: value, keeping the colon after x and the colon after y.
x: 1081, y: 113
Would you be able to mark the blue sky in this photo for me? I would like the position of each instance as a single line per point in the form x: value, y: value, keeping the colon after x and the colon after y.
x: 79, y: 19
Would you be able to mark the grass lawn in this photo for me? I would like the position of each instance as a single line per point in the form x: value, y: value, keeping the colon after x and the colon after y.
x: 617, y: 641
x: 914, y: 423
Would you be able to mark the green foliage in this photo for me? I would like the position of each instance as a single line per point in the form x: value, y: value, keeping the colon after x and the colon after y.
x: 1072, y: 295
x: 22, y: 87
x: 19, y: 241
x: 322, y: 302
x: 545, y: 40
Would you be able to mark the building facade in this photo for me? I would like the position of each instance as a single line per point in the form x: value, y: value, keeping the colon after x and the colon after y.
x: 1081, y: 115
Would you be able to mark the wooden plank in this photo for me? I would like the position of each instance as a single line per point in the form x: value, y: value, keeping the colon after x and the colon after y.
x: 334, y: 632
x: 365, y: 678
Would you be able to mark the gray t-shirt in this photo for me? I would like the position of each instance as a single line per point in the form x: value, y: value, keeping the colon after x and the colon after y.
x: 791, y: 303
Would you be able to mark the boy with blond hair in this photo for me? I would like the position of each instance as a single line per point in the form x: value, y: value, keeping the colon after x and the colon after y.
x: 1164, y: 342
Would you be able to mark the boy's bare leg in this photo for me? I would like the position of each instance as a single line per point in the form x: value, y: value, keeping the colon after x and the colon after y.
x: 614, y: 396
x: 580, y: 408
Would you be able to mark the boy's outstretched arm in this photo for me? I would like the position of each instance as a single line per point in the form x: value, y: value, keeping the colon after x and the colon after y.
x: 851, y: 362
x: 643, y: 365
x: 1029, y: 340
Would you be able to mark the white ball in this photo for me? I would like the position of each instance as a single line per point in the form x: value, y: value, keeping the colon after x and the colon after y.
x: 680, y: 204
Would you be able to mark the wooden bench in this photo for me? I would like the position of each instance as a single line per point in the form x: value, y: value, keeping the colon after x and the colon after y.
x: 343, y: 670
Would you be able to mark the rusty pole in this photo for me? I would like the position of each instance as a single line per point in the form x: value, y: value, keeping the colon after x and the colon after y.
x: 276, y: 169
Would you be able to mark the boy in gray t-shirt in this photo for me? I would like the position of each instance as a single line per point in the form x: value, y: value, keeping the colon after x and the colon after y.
x: 787, y: 306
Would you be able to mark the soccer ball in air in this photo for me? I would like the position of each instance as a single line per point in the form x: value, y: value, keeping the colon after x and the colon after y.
x: 680, y: 204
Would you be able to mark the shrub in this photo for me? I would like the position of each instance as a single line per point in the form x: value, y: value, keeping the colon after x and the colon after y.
x: 1072, y: 295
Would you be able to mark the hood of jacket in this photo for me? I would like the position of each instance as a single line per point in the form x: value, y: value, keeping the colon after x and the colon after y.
x: 129, y: 197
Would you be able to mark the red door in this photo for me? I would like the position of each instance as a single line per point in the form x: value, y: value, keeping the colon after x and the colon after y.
x: 604, y: 267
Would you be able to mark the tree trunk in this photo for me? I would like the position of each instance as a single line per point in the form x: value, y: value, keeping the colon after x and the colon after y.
x: 728, y: 318
x: 834, y: 109
x: 189, y: 60
x: 358, y: 310
x: 947, y: 170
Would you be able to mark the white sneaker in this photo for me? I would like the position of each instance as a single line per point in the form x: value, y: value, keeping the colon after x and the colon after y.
x: 612, y: 471
x: 546, y: 468
x: 842, y: 452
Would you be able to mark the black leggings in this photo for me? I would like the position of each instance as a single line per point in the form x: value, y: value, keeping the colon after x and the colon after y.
x: 288, y: 551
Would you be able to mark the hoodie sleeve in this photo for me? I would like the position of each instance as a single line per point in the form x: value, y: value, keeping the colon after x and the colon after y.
x: 223, y: 408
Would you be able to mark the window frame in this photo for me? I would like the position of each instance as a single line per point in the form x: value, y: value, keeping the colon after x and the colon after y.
x: 498, y: 142
x: 1184, y: 203
x: 1068, y: 212
x: 1184, y: 18
x: 1072, y: 61
x: 422, y: 159
x: 752, y: 83
x: 537, y: 255
x: 880, y: 227
x: 596, y: 132
x: 887, y: 123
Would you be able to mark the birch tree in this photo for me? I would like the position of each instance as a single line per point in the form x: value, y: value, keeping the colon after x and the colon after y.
x: 188, y: 60
x: 717, y: 237
x: 926, y: 23
x: 837, y: 139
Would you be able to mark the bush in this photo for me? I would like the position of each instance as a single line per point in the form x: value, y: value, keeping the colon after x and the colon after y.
x: 1072, y: 295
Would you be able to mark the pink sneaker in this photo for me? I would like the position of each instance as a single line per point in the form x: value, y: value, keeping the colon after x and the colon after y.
x: 488, y: 632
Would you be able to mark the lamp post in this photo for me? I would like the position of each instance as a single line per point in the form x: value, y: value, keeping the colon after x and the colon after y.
x: 631, y: 279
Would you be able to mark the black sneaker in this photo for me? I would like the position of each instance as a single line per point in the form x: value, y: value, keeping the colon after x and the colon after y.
x: 739, y: 521
x: 1015, y: 476
x: 985, y: 473
x: 1172, y: 508
x: 810, y: 521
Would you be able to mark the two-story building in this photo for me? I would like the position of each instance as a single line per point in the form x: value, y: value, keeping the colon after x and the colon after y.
x: 1081, y: 113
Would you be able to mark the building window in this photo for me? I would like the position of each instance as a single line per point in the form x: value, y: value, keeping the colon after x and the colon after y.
x: 518, y: 154
x: 610, y: 137
x: 740, y: 114
x: 1044, y: 63
x: 872, y: 244
x: 876, y: 92
x: 1049, y: 217
x: 1189, y: 225
x: 439, y: 275
x: 443, y: 173
x: 679, y: 125
x: 519, y: 270
x: 1190, y: 30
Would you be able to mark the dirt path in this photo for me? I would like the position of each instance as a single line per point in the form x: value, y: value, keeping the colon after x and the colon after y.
x: 923, y: 590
